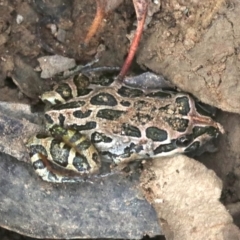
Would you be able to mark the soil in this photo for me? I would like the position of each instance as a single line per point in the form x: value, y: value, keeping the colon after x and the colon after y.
x: 195, y: 46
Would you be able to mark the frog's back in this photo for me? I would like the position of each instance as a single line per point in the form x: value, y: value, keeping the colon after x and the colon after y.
x: 120, y: 120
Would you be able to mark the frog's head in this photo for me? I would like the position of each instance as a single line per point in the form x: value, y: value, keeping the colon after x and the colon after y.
x: 200, y: 140
x: 191, y: 128
x: 203, y: 129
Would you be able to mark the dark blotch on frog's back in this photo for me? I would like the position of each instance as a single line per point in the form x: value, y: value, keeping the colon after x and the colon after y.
x: 98, y: 137
x: 81, y: 114
x: 125, y: 103
x: 183, y: 103
x: 159, y: 94
x: 131, y: 131
x: 83, y: 92
x: 64, y: 91
x: 82, y: 82
x: 88, y: 126
x: 156, y: 134
x: 129, y: 92
x: 110, y: 114
x: 69, y: 105
x: 104, y: 99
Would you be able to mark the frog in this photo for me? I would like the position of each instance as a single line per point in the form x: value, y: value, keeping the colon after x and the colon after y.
x: 111, y: 121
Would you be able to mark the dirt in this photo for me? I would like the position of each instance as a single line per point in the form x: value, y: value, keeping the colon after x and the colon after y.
x: 31, y: 38
x: 195, y: 45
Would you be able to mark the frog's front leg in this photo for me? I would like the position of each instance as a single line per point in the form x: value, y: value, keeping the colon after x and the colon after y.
x: 68, y: 150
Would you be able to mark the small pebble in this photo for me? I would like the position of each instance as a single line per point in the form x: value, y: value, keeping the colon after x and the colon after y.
x: 19, y: 19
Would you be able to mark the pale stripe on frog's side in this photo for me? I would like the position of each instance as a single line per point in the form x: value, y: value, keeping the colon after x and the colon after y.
x: 117, y: 123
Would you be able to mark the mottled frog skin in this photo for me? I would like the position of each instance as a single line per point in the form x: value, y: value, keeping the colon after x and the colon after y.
x: 91, y: 123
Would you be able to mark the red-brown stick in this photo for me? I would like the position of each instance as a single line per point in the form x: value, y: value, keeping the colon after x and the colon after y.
x: 100, y: 13
x: 141, y: 7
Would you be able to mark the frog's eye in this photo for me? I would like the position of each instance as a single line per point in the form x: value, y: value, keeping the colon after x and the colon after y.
x: 184, y: 141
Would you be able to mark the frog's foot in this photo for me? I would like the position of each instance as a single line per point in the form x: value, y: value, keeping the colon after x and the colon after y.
x: 103, y: 7
x: 141, y: 8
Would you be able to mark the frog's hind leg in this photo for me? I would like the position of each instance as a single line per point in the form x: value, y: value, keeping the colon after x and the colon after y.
x: 45, y: 171
x: 45, y: 153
